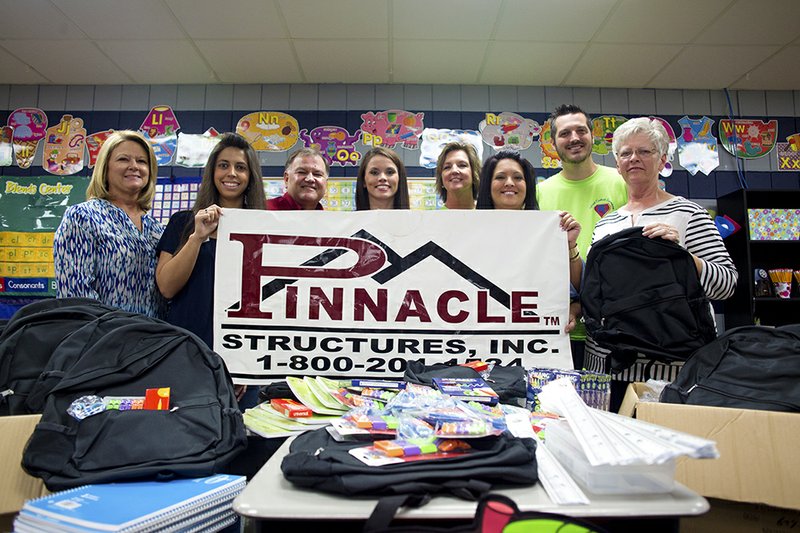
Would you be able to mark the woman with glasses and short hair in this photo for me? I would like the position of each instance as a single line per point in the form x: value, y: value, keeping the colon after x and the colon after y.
x: 640, y: 147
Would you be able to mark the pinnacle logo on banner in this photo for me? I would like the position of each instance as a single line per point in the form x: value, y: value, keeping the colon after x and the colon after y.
x: 360, y: 294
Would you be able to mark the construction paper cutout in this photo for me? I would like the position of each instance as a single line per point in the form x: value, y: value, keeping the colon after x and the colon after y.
x: 726, y: 226
x: 269, y: 131
x: 94, y: 142
x: 392, y: 127
x: 673, y: 145
x: 603, y: 128
x: 508, y: 130
x: 30, y: 126
x: 63, y: 147
x: 752, y: 139
x: 193, y: 150
x: 697, y: 146
x: 160, y: 127
x: 433, y: 140
x: 550, y: 157
x: 6, y: 146
x: 335, y: 144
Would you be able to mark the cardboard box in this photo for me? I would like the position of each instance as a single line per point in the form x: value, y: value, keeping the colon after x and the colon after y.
x: 735, y: 517
x: 15, y: 485
x: 759, y: 460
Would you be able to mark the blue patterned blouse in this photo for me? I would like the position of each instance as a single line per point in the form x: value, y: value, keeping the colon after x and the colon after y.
x: 99, y: 253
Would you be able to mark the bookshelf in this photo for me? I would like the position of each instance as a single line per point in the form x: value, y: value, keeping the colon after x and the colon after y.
x: 744, y: 308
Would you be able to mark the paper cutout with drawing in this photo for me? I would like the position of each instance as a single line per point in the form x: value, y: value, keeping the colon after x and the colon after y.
x: 30, y: 126
x: 789, y: 154
x: 550, y: 157
x: 673, y: 145
x: 160, y: 128
x: 269, y: 131
x: 697, y: 146
x: 508, y: 130
x: 63, y: 147
x: 94, y: 142
x: 335, y: 144
x: 392, y: 127
x: 752, y: 139
x: 603, y: 128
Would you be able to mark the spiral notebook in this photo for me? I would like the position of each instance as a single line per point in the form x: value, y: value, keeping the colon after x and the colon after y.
x: 197, y: 504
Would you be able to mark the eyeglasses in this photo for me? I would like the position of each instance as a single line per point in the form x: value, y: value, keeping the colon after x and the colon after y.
x: 641, y: 153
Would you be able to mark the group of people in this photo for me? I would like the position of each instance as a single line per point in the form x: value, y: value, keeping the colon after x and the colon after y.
x: 110, y: 248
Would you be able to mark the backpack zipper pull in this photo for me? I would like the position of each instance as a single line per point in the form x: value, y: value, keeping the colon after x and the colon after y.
x: 7, y: 392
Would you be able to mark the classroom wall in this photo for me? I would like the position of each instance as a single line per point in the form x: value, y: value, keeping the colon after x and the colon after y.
x: 446, y: 106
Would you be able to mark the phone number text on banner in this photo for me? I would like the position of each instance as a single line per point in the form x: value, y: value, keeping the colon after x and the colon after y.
x: 360, y: 294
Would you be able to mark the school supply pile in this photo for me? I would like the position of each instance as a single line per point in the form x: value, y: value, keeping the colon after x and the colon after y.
x: 643, y: 295
x: 593, y: 388
x: 749, y: 367
x: 123, y: 397
x: 613, y: 454
x: 199, y: 505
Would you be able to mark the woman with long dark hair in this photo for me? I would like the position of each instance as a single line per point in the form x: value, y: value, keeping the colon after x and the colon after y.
x: 187, y: 250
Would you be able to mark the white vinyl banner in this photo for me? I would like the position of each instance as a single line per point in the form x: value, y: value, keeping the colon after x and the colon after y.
x: 361, y: 293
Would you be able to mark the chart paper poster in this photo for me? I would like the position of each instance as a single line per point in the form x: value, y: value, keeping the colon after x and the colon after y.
x: 697, y: 147
x: 63, y: 146
x: 750, y: 139
x: 434, y: 140
x: 269, y: 131
x: 508, y: 131
x: 360, y: 294
x: 335, y: 144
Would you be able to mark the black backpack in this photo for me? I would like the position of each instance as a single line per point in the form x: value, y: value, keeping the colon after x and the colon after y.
x: 197, y: 436
x: 316, y: 460
x: 749, y: 367
x: 28, y: 340
x: 642, y: 295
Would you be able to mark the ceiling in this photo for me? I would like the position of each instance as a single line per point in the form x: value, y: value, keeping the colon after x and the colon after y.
x: 688, y: 44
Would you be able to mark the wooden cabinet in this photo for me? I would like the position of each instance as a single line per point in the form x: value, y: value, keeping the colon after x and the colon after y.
x: 744, y: 308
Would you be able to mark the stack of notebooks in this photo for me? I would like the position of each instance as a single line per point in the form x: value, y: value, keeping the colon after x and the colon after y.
x: 197, y: 505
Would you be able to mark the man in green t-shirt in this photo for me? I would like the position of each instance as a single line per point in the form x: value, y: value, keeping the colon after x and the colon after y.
x: 586, y: 190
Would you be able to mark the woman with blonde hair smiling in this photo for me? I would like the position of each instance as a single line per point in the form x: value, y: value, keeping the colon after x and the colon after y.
x: 105, y: 247
x: 458, y: 171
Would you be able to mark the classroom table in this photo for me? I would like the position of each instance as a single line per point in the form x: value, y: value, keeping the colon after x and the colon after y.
x: 269, y: 499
